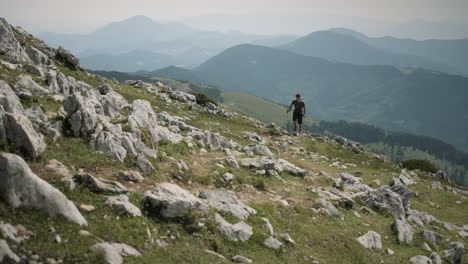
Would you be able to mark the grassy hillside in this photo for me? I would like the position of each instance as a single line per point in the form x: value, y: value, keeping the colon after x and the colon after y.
x: 257, y: 107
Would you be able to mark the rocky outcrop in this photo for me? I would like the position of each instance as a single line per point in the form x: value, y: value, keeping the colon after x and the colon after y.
x: 6, y: 255
x: 395, y: 199
x: 432, y: 237
x: 67, y: 58
x: 81, y: 114
x: 114, y: 252
x: 268, y: 163
x: 170, y: 201
x: 371, y: 240
x: 327, y: 208
x: 404, y: 231
x: 27, y: 84
x: 122, y: 205
x: 420, y: 259
x: 228, y: 201
x: 454, y: 255
x: 404, y: 179
x: 237, y: 232
x: 99, y: 185
x: 254, y: 149
x: 349, y: 182
x: 20, y: 187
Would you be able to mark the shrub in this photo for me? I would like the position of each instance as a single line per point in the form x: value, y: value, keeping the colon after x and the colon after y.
x: 423, y: 165
x: 202, y: 99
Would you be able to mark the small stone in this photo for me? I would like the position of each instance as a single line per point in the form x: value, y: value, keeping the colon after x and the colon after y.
x: 241, y: 259
x: 215, y: 254
x: 371, y: 240
x: 228, y: 176
x: 287, y: 238
x: 272, y: 242
x: 390, y: 252
x: 58, y: 239
x: 84, y: 233
x: 87, y: 208
x: 420, y: 259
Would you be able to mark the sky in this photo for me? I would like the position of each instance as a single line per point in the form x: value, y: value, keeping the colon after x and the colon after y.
x: 419, y: 19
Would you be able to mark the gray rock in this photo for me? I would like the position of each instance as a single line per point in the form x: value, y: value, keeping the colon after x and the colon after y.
x: 99, y: 185
x: 241, y: 259
x: 258, y: 150
x: 215, y: 254
x: 20, y: 187
x: 68, y: 58
x: 10, y: 232
x: 436, y: 259
x: 432, y: 237
x: 8, y: 98
x: 420, y: 259
x: 171, y: 201
x: 404, y: 231
x: 420, y: 218
x: 10, y: 46
x: 125, y: 250
x: 232, y: 163
x: 349, y: 182
x: 212, y: 140
x: 268, y: 226
x: 131, y: 175
x: 383, y: 199
x: 6, y: 255
x: 327, y: 208
x: 404, y: 179
x: 272, y: 242
x: 81, y: 114
x: 454, y: 255
x: 268, y: 163
x: 370, y: 240
x: 111, y: 254
x: 108, y: 143
x: 122, y: 205
x: 18, y: 131
x: 26, y: 83
x: 112, y: 102
x: 229, y: 202
x: 287, y: 238
x: 144, y: 165
x: 237, y: 232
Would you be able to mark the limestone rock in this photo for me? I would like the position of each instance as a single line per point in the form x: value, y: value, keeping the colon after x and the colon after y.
x: 420, y: 259
x: 171, y: 201
x: 144, y: 164
x: 272, y: 242
x: 268, y: 226
x: 436, y: 259
x: 20, y: 187
x: 432, y: 237
x: 404, y: 231
x: 404, y: 179
x: 385, y: 198
x: 327, y: 208
x: 454, y: 255
x: 349, y: 182
x: 370, y: 240
x: 229, y: 202
x: 81, y: 114
x: 255, y: 149
x: 108, y: 143
x: 100, y: 185
x: 122, y: 205
x: 68, y: 58
x: 17, y: 130
x: 131, y: 175
x: 268, y: 163
x: 237, y: 232
x: 8, y: 99
x: 6, y: 255
x: 111, y: 254
x: 232, y: 163
x: 241, y: 259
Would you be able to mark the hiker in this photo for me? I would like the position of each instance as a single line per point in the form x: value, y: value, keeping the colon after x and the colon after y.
x: 299, y: 111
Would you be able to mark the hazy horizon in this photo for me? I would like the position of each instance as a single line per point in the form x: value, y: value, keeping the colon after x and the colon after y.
x: 416, y: 19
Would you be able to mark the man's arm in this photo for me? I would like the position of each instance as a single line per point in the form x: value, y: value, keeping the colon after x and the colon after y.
x: 305, y: 110
x: 289, y: 109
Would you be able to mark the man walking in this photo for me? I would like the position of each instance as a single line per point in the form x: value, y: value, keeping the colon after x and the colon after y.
x: 299, y: 112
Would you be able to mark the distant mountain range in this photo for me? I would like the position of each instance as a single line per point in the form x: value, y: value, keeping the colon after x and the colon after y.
x: 179, y: 43
x: 416, y: 101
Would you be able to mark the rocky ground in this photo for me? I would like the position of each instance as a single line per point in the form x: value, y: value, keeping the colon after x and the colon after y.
x: 93, y: 171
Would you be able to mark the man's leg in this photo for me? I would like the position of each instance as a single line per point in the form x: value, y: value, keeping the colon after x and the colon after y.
x: 299, y: 120
x: 294, y: 122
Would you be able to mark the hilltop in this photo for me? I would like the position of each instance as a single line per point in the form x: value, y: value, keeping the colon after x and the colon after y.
x: 98, y: 171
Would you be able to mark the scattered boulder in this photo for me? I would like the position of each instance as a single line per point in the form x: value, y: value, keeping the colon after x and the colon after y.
x: 171, y: 201
x: 241, y: 259
x: 436, y: 259
x: 100, y: 185
x: 6, y: 255
x: 327, y: 208
x: 237, y: 232
x: 254, y: 149
x: 111, y: 254
x: 109, y: 143
x: 268, y: 226
x: 287, y: 238
x: 349, y: 182
x: 122, y: 205
x: 454, y: 255
x: 404, y: 179
x: 385, y: 198
x: 268, y: 163
x: 19, y: 132
x: 81, y: 116
x: 404, y: 231
x: 130, y: 175
x: 232, y: 162
x: 228, y: 201
x: 432, y: 237
x: 371, y: 240
x: 272, y: 242
x: 420, y: 259
x: 27, y: 84
x: 20, y: 187
x: 68, y: 58
x: 144, y: 164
